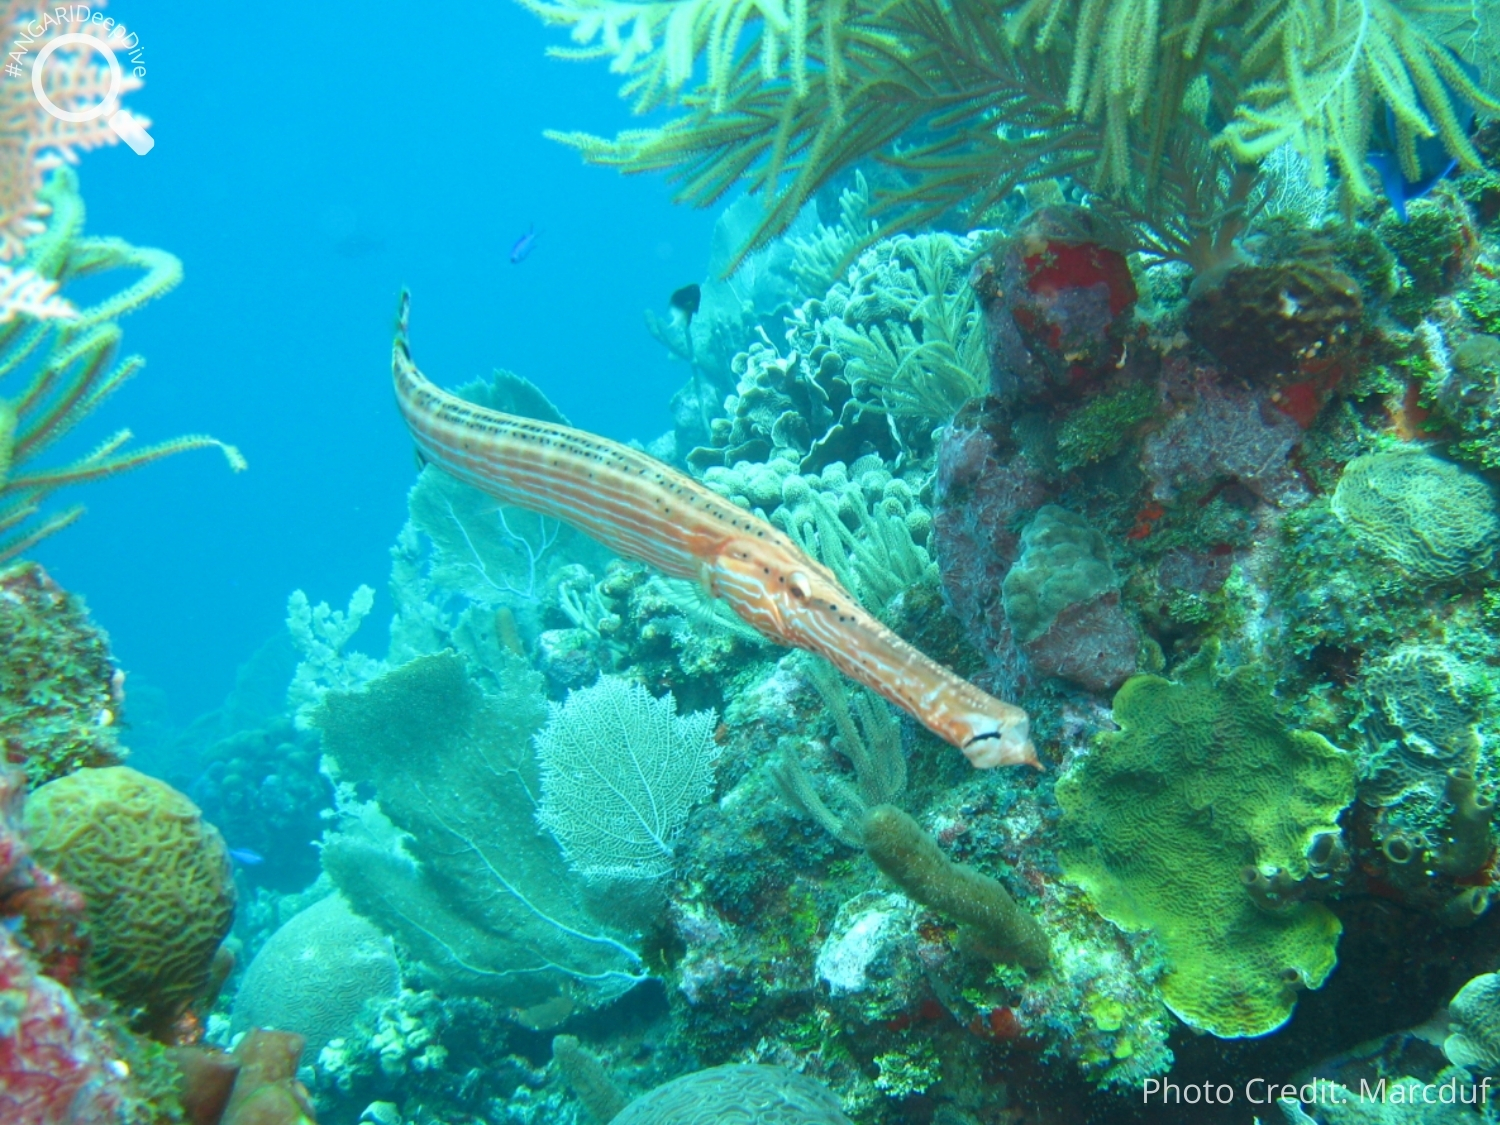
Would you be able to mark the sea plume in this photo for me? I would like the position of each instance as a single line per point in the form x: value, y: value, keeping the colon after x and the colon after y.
x: 32, y: 141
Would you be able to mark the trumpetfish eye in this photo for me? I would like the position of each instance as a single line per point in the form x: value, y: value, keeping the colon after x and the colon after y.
x: 799, y: 585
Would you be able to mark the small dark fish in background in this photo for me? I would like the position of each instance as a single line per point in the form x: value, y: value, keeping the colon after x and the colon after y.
x: 522, y: 247
x: 684, y: 305
x: 245, y: 857
x: 685, y: 302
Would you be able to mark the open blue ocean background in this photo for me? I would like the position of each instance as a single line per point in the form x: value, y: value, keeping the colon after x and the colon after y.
x: 310, y: 161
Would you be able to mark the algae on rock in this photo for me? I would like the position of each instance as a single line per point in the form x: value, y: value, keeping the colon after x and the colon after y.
x: 1163, y: 818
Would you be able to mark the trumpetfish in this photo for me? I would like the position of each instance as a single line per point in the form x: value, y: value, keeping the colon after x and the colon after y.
x: 635, y: 505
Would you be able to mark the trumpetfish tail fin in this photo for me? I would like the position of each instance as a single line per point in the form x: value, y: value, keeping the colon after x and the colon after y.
x: 637, y: 506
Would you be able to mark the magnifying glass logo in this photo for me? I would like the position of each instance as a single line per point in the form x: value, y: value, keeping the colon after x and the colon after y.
x: 127, y: 128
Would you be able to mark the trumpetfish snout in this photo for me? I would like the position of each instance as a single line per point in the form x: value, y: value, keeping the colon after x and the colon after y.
x: 634, y: 504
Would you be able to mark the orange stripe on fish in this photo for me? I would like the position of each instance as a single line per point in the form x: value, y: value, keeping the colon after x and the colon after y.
x: 636, y: 505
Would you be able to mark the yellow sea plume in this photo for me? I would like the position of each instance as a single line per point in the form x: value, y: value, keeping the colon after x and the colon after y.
x: 1163, y: 108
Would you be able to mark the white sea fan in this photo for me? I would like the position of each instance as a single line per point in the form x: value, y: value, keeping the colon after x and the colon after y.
x: 24, y: 292
x: 620, y: 773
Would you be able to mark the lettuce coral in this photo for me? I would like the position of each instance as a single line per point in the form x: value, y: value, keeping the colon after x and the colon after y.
x: 157, y: 881
x: 1163, y: 819
x: 1429, y: 517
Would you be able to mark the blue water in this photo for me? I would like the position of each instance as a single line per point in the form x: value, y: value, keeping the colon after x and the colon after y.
x: 309, y: 162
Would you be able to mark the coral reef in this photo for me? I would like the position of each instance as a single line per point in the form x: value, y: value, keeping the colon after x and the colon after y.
x: 1137, y: 841
x: 60, y: 692
x: 315, y: 975
x: 1235, y: 456
x: 156, y: 881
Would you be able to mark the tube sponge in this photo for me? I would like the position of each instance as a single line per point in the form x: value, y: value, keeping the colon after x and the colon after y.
x: 912, y: 859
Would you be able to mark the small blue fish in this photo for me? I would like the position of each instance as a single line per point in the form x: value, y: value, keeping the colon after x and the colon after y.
x: 1433, y: 160
x: 523, y: 245
x: 246, y: 857
x: 1400, y: 190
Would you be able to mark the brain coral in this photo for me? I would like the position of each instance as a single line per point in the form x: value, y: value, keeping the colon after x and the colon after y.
x: 1165, y: 816
x: 737, y: 1095
x: 1474, y: 1025
x: 315, y: 974
x: 156, y: 880
x: 1431, y: 518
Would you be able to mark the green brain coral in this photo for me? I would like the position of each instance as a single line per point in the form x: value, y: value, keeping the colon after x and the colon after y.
x: 1162, y: 820
x: 737, y: 1094
x: 1431, y: 518
x: 156, y: 880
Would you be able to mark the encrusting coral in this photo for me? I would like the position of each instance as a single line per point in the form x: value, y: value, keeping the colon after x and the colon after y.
x: 60, y: 690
